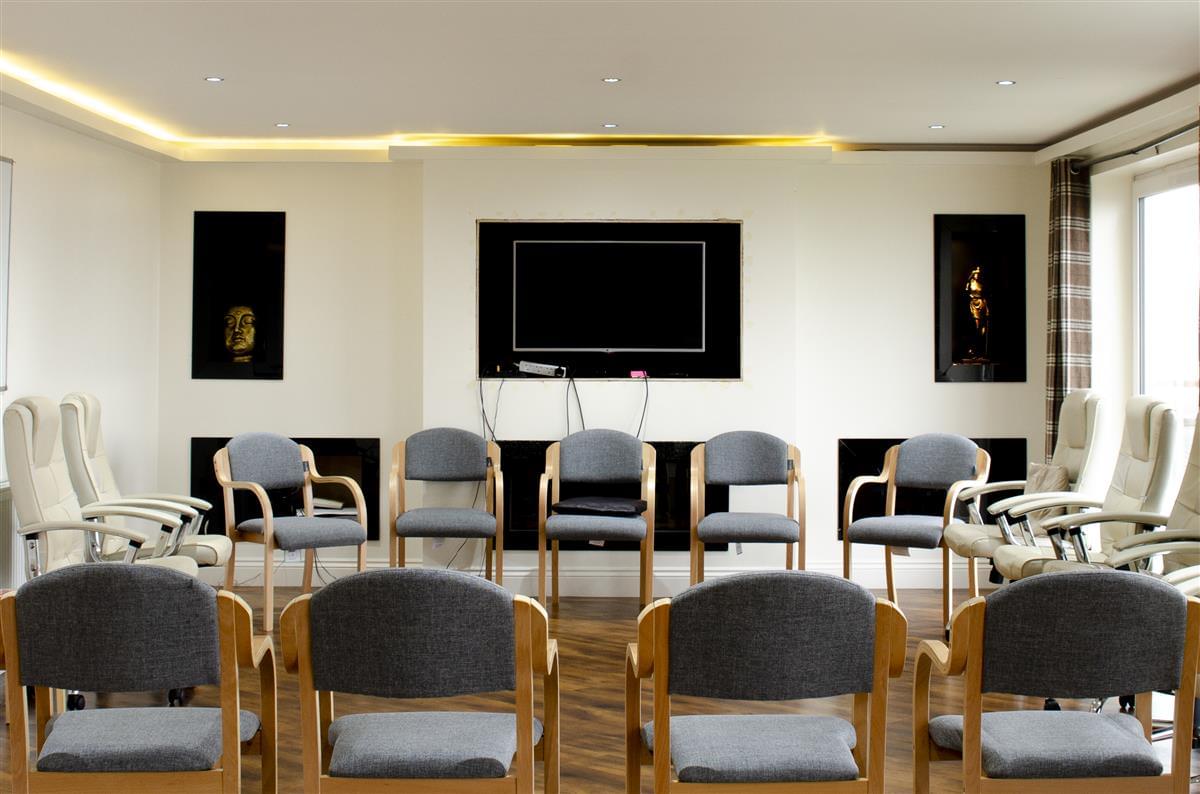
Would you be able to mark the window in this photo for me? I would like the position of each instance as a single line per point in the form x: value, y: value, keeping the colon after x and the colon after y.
x: 1169, y: 287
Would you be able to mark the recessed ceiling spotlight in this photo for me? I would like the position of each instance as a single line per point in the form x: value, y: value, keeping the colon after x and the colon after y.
x: 608, y: 125
x: 214, y: 79
x: 937, y: 126
x: 282, y: 124
x: 1006, y: 82
x: 612, y: 79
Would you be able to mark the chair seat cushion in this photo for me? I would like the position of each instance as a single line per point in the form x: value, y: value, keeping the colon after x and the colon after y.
x: 595, y: 527
x: 302, y: 532
x: 207, y: 549
x: 429, y: 744
x: 759, y: 748
x: 919, y: 532
x: 973, y: 540
x: 137, y: 740
x: 1051, y: 566
x: 1017, y: 562
x: 748, y: 528
x: 1055, y: 744
x: 182, y: 564
x: 446, y: 522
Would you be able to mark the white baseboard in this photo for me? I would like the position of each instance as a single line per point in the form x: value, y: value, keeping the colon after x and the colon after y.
x: 609, y: 582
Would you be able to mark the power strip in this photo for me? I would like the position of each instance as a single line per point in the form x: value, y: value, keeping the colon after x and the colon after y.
x: 533, y: 368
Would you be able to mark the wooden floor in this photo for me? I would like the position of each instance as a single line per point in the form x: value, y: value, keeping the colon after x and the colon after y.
x: 592, y: 634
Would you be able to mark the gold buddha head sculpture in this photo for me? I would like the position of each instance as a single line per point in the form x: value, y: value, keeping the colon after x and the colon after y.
x: 239, y: 333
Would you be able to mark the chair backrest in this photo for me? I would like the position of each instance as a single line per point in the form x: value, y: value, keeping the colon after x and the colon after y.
x: 935, y: 461
x: 411, y: 632
x: 745, y: 457
x: 1077, y: 448
x: 445, y: 454
x: 117, y: 628
x: 600, y: 456
x: 1112, y: 632
x: 37, y: 471
x: 271, y: 460
x: 83, y: 445
x: 772, y: 635
x: 1186, y: 513
x: 1142, y: 478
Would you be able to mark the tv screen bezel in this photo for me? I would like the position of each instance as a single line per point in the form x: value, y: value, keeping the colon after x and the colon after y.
x: 717, y: 363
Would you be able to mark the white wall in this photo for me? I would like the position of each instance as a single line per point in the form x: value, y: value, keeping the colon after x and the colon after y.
x: 838, y: 317
x: 83, y: 306
x: 352, y: 358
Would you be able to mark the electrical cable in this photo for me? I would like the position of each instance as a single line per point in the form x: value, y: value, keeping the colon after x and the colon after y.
x: 579, y: 404
x: 645, y: 404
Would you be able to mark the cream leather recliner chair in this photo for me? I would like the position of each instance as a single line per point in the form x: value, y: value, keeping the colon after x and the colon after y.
x: 94, y: 483
x: 1078, y: 450
x: 1141, y: 483
x: 58, y: 532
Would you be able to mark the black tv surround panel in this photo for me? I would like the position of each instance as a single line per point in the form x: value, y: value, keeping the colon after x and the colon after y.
x: 604, y: 299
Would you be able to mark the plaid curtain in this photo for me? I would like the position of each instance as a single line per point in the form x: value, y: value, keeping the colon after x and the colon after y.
x: 1069, y: 310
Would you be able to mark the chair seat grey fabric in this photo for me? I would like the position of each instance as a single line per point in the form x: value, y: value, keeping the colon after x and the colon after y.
x: 428, y: 744
x: 973, y: 540
x: 595, y: 527
x: 1055, y: 744
x: 446, y: 522
x: 302, y: 532
x: 759, y: 748
x: 748, y: 528
x: 918, y: 532
x: 137, y: 740
x: 1018, y: 562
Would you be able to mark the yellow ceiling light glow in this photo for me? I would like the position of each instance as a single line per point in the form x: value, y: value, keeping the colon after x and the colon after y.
x: 585, y: 139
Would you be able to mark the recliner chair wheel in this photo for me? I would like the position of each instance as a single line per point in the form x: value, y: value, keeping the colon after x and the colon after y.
x: 76, y: 702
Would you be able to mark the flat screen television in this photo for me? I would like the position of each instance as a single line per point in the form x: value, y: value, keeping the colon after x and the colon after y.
x: 605, y: 299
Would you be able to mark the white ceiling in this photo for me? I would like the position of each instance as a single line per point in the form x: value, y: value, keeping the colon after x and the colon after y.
x: 860, y: 71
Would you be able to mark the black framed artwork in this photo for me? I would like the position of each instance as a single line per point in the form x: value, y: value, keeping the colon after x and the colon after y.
x: 979, y: 298
x: 237, y: 295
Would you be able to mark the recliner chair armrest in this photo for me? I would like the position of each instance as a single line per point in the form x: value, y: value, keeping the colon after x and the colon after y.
x: 968, y: 494
x: 1148, y: 550
x: 41, y: 527
x: 183, y: 499
x: 102, y: 510
x: 1004, y: 505
x: 1083, y: 519
x: 1050, y: 502
x: 184, y: 511
x: 1157, y: 536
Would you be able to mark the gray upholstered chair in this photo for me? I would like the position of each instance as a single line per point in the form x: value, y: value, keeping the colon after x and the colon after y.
x: 1147, y: 640
x: 936, y: 461
x: 94, y: 483
x: 101, y: 627
x: 775, y: 635
x: 746, y: 457
x: 1078, y: 459
x: 605, y: 458
x: 56, y: 530
x: 258, y: 462
x: 447, y: 454
x: 421, y: 633
x: 1142, y: 482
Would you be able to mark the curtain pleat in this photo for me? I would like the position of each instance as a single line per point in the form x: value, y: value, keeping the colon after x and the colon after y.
x: 1069, y: 309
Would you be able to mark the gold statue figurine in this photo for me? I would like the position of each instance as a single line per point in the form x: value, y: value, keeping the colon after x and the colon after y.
x: 239, y: 333
x: 977, y: 302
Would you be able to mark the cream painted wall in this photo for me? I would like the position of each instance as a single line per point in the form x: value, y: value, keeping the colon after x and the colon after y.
x: 1113, y: 215
x: 83, y: 306
x: 352, y: 355
x: 838, y: 317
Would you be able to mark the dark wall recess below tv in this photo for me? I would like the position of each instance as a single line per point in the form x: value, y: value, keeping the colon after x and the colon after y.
x: 604, y: 299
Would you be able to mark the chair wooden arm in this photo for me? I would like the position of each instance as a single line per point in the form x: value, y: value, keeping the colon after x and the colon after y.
x: 852, y: 492
x: 289, y: 631
x: 360, y: 502
x: 897, y: 634
x: 938, y: 655
x: 953, y: 496
x: 649, y: 477
x: 543, y: 497
x: 499, y: 497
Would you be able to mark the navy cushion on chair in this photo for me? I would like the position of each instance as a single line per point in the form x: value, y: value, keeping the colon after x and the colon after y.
x: 441, y: 744
x: 1054, y: 744
x: 595, y: 527
x: 747, y: 528
x: 446, y: 522
x: 301, y: 532
x: 137, y: 740
x: 600, y: 506
x: 761, y: 748
x: 920, y: 532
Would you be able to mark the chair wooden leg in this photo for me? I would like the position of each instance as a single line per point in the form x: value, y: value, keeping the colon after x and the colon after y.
x: 310, y: 556
x: 891, y: 576
x: 790, y: 556
x: 361, y: 562
x: 391, y: 541
x: 692, y: 563
x: 554, y: 572
x: 972, y: 577
x: 542, y: 568
x: 487, y: 559
x: 269, y: 738
x: 845, y: 558
x: 947, y: 588
x: 499, y: 559
x: 268, y: 615
x: 633, y: 732
x: 699, y: 561
x: 231, y: 567
x: 400, y: 552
